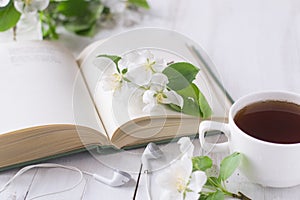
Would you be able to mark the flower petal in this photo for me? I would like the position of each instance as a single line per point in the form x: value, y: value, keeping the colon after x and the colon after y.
x: 186, y: 146
x: 198, y: 179
x: 4, y: 3
x: 159, y: 79
x: 150, y: 100
x: 167, y: 180
x: 146, y: 54
x: 183, y: 168
x: 118, y: 7
x: 19, y: 5
x: 180, y: 169
x: 139, y: 75
x: 148, y: 97
x: 149, y: 107
x: 112, y: 82
x: 175, y: 179
x: 158, y: 82
x: 108, y: 83
x: 39, y: 4
x: 167, y: 195
x: 160, y: 65
x: 174, y: 98
x: 32, y: 7
x: 132, y: 60
x: 122, y: 92
x: 192, y: 195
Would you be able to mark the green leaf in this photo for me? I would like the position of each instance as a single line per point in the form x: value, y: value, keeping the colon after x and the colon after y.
x: 80, y: 16
x: 180, y: 75
x: 81, y: 29
x: 76, y: 26
x: 124, y: 71
x: 48, y: 26
x: 175, y: 107
x: 9, y: 17
x: 229, y: 165
x: 73, y: 8
x: 204, y: 106
x: 113, y: 58
x: 218, y: 195
x: 140, y: 3
x: 190, y: 100
x: 201, y: 163
x: 191, y: 92
x: 203, y: 197
x: 194, y: 102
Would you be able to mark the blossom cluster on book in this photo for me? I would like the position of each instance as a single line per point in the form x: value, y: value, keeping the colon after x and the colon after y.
x: 158, y: 82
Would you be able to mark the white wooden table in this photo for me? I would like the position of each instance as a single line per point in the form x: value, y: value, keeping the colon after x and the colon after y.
x: 255, y: 45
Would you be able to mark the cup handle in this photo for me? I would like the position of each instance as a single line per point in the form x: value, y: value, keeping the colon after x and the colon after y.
x: 211, y: 125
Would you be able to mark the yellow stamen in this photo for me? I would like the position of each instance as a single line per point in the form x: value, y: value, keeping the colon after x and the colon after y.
x: 159, y: 97
x: 118, y: 77
x: 180, y: 185
x: 149, y: 65
x: 117, y: 81
x: 27, y: 2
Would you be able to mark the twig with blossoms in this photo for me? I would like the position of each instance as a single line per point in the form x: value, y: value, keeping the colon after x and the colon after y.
x: 189, y: 177
x: 161, y: 83
x: 82, y: 17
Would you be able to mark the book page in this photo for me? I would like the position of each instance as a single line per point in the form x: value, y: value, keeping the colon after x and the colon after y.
x: 41, y: 84
x: 118, y: 110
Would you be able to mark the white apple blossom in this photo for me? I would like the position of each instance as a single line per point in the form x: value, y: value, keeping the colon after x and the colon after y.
x: 4, y: 3
x: 179, y: 182
x: 159, y: 94
x: 141, y: 66
x: 30, y: 6
x: 112, y: 82
x: 186, y: 146
x: 140, y: 70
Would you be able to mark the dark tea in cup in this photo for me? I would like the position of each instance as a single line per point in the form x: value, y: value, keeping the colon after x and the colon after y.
x: 271, y: 121
x: 265, y: 128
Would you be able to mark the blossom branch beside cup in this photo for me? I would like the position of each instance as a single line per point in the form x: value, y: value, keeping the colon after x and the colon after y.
x: 191, y: 178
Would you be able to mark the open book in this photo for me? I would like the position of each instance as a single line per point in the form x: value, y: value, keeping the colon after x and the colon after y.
x: 52, y: 104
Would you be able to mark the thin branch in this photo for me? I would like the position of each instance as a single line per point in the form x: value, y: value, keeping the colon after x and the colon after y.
x: 15, y: 33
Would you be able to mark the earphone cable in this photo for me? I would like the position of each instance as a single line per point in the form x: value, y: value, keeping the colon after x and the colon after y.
x: 87, y: 173
x: 148, y: 185
x: 46, y: 165
x: 137, y: 182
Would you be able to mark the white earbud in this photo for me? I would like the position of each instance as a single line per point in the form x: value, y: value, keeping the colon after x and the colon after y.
x: 151, y: 152
x: 119, y: 178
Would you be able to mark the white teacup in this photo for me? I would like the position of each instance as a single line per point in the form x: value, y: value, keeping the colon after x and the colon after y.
x: 265, y: 163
